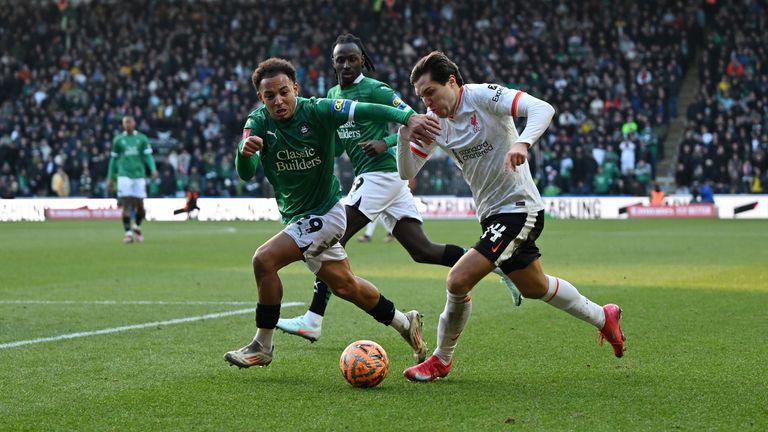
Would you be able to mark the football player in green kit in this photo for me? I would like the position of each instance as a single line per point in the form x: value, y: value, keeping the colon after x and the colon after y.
x: 294, y: 138
x: 130, y: 152
x: 378, y: 190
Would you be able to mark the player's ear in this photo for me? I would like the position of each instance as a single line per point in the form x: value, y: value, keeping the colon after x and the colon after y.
x: 296, y: 88
x: 261, y: 98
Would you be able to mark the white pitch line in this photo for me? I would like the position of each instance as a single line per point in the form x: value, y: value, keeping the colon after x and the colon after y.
x: 126, y: 302
x: 134, y: 327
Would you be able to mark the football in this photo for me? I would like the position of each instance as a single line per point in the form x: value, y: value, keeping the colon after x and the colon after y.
x: 364, y: 364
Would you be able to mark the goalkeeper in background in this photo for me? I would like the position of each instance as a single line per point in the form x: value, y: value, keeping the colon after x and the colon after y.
x: 131, y: 154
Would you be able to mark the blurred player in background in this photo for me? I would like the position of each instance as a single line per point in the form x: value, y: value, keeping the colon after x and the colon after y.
x: 478, y: 131
x: 131, y: 155
x: 378, y: 192
x: 294, y: 138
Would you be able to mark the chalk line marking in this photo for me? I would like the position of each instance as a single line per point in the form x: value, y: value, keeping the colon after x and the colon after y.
x: 135, y: 327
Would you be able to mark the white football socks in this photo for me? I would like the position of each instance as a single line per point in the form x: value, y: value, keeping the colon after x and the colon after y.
x: 564, y: 296
x: 312, y: 319
x: 264, y: 337
x: 457, y: 310
x: 400, y: 322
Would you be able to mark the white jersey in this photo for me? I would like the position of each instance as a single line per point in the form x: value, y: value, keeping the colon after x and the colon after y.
x: 478, y: 136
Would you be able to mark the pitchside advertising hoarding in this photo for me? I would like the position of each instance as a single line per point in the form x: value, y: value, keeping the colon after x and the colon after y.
x: 431, y: 207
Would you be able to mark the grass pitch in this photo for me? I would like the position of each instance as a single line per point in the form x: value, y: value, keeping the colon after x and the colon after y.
x: 694, y: 295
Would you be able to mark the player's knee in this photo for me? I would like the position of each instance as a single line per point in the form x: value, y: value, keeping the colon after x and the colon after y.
x: 263, y: 263
x: 458, y: 282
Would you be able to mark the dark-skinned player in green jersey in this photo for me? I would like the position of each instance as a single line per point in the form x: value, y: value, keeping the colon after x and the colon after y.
x: 378, y: 190
x: 130, y: 153
x: 294, y: 139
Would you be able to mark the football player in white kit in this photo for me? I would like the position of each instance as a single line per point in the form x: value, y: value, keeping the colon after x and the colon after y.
x: 478, y: 131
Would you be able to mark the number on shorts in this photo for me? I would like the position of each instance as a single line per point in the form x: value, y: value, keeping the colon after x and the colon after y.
x: 315, y: 225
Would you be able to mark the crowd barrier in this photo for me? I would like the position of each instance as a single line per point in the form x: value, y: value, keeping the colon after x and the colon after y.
x: 431, y: 207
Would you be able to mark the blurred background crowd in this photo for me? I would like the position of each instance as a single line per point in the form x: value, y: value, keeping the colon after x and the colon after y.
x: 616, y: 72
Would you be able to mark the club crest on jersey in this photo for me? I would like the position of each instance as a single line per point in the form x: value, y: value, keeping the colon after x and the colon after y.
x: 304, y: 129
x: 475, y: 125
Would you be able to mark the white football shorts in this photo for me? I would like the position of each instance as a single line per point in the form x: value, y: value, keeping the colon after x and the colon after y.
x: 131, y: 188
x: 384, y: 195
x: 318, y: 236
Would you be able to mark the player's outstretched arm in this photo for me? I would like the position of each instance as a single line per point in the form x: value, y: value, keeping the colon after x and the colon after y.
x: 247, y: 157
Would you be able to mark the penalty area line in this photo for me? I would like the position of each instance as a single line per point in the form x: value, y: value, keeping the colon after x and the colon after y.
x: 135, y: 327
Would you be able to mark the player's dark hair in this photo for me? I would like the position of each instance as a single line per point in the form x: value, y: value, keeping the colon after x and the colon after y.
x: 271, y: 67
x: 350, y: 38
x: 438, y: 66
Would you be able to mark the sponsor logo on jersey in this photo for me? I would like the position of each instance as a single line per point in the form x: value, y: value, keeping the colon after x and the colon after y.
x: 474, y: 152
x: 349, y: 131
x: 396, y: 101
x: 292, y: 160
x: 497, y: 96
x: 338, y: 105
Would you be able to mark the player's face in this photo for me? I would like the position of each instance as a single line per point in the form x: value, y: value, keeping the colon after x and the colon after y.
x: 279, y: 96
x: 348, y: 62
x: 129, y: 124
x: 438, y: 98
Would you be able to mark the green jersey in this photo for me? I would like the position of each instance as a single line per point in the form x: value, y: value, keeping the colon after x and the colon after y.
x: 130, y: 153
x: 352, y: 133
x: 298, y: 154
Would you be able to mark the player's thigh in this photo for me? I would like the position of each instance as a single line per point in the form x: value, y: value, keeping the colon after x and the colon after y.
x: 337, y: 274
x: 356, y: 221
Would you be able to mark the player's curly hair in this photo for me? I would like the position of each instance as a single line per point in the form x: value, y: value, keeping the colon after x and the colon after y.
x: 438, y: 66
x: 271, y: 67
x: 350, y: 38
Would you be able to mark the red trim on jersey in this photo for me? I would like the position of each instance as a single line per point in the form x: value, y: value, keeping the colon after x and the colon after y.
x: 246, y: 133
x: 514, y: 103
x: 557, y: 287
x: 417, y: 151
x: 461, y: 94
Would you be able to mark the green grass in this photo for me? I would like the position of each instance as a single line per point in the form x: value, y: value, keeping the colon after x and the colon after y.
x: 694, y: 295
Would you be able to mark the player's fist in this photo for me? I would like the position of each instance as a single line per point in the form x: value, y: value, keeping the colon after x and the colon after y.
x: 251, y: 145
x: 517, y: 155
x: 423, y: 128
x: 373, y: 147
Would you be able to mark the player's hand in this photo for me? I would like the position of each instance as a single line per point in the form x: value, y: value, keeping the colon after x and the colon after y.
x: 110, y: 185
x: 373, y: 148
x: 517, y: 155
x: 423, y: 128
x: 251, y: 145
x: 155, y: 175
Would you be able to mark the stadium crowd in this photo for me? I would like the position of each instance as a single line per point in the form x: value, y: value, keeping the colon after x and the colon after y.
x: 68, y: 75
x: 726, y: 140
